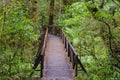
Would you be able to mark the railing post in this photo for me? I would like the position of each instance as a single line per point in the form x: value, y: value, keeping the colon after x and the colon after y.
x: 68, y: 50
x: 76, y: 65
x: 76, y: 69
x: 41, y: 66
x: 72, y: 58
x: 66, y: 44
x: 70, y: 55
x: 73, y: 61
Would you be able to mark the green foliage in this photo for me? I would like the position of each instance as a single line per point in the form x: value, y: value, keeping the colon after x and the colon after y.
x: 83, y: 26
x: 44, y: 13
x: 17, y: 37
x: 83, y: 29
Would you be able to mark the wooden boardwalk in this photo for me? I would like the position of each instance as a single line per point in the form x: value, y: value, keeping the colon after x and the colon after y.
x: 56, y: 65
x: 57, y: 58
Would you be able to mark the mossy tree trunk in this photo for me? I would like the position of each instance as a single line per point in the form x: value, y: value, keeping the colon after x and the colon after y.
x: 51, y: 14
x: 4, y: 16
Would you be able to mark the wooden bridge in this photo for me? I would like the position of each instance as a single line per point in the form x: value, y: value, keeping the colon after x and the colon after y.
x: 56, y: 57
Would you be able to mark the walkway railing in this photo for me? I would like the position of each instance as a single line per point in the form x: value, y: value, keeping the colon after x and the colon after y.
x: 41, y: 53
x: 74, y: 59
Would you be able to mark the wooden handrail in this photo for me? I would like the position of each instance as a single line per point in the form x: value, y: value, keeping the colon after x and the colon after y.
x: 44, y: 42
x: 74, y: 59
x: 41, y: 53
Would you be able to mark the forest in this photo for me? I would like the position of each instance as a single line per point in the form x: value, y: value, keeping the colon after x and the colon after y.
x: 92, y: 27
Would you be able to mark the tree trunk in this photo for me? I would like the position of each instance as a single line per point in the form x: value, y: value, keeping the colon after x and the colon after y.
x: 51, y: 15
x: 4, y: 16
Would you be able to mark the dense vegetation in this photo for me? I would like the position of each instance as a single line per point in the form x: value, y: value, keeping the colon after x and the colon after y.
x: 92, y: 26
x: 18, y: 38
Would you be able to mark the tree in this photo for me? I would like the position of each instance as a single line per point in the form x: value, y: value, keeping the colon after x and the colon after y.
x: 51, y: 13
